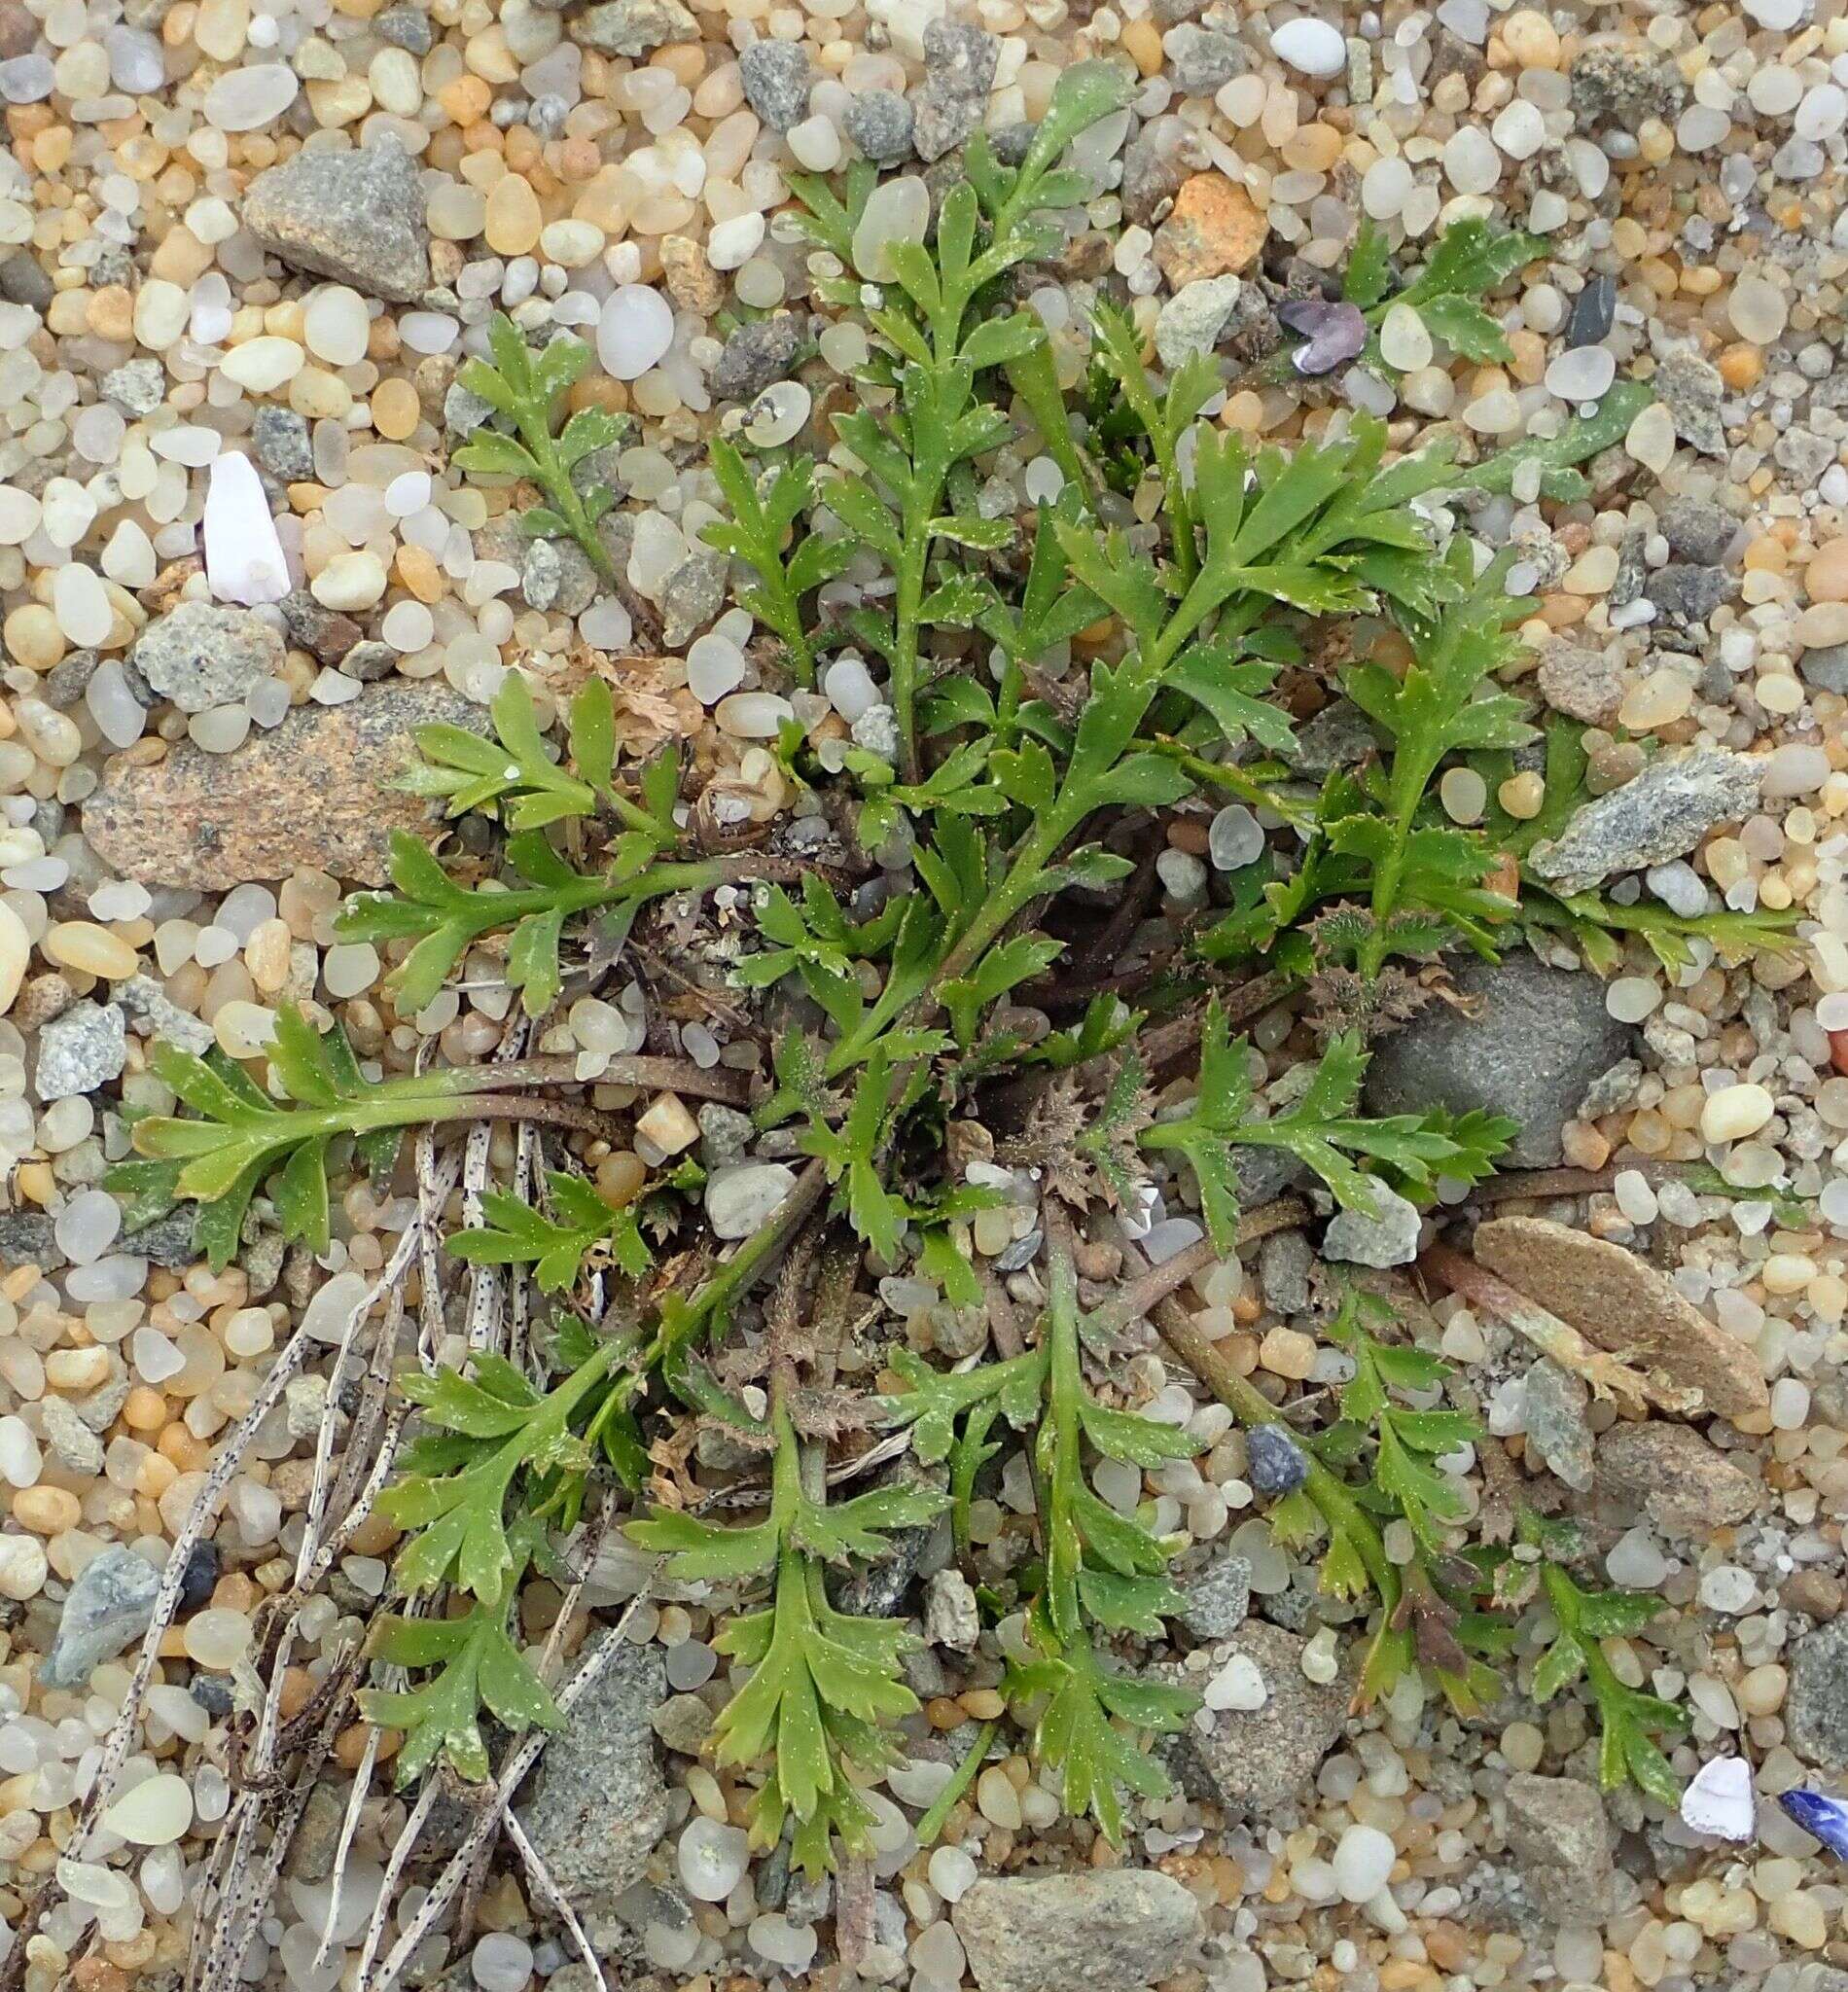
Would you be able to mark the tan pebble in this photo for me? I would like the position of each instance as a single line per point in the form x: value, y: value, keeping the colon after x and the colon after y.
x: 83, y: 944
x: 1285, y: 1352
x: 16, y: 953
x: 514, y: 218
x: 1826, y: 578
x: 46, y: 1511
x: 668, y: 1125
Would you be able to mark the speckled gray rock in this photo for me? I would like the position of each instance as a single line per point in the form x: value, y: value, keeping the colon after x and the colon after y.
x: 1662, y: 814
x: 137, y: 387
x: 206, y: 654
x: 1682, y: 1482
x: 556, y: 575
x: 777, y: 77
x: 407, y: 28
x: 1816, y: 1709
x: 319, y: 790
x: 1527, y: 1042
x: 634, y: 27
x: 1193, y: 319
x: 1389, y: 1237
x: 1201, y: 58
x: 1560, y: 1839
x: 356, y: 215
x: 693, y: 596
x: 1697, y: 530
x: 1685, y: 595
x: 84, y: 1048
x: 959, y: 72
x: 76, y: 1447
x: 28, y: 1237
x: 110, y: 1604
x: 756, y: 355
x: 323, y: 632
x: 1553, y: 1416
x: 1111, y: 1930
x: 879, y: 122
x: 1257, y: 1759
x: 169, y: 1241
x: 1691, y: 390
x: 283, y: 445
x: 1284, y: 1263
x: 952, y: 1617
x: 600, y: 1803
x: 1582, y: 682
x: 1215, y: 1603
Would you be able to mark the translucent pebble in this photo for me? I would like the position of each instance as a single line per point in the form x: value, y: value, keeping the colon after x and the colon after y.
x: 216, y: 1638
x: 790, y: 1945
x: 501, y: 1961
x: 690, y: 1664
x: 778, y: 413
x: 155, y: 1814
x: 1404, y: 342
x: 635, y: 330
x: 714, y: 666
x: 81, y: 603
x: 87, y: 1225
x: 154, y: 1358
x: 1238, y: 1685
x: 937, y: 1955
x: 1362, y: 1859
x: 1632, y: 998
x: 21, y: 1458
x: 896, y: 211
x: 336, y: 325
x: 1581, y: 373
x: 244, y: 99
x: 952, y: 1874
x: 327, y: 1314
x: 849, y: 686
x: 1234, y: 839
x: 1635, y: 1563
x: 732, y: 243
x: 712, y: 1859
x: 1471, y: 161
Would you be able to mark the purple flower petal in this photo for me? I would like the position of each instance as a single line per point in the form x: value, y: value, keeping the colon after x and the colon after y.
x: 1332, y: 334
x: 1818, y: 1814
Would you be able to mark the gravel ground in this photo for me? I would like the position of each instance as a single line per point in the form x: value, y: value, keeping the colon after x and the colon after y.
x: 242, y: 254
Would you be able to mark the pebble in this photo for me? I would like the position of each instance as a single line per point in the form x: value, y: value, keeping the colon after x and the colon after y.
x: 745, y: 1196
x: 634, y: 27
x: 243, y: 557
x: 1310, y: 46
x: 1099, y: 1932
x: 81, y: 1051
x: 1593, y: 312
x: 959, y: 71
x: 756, y: 355
x: 1362, y: 1859
x: 202, y: 655
x: 1388, y: 1238
x: 110, y: 1604
x: 881, y: 123
x: 356, y: 216
x: 1662, y: 814
x: 777, y: 79
x: 634, y: 331
x: 155, y: 1813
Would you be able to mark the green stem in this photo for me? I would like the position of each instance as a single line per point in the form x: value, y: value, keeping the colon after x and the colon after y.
x: 1224, y: 775
x: 535, y: 428
x: 1035, y: 380
x: 945, y: 1803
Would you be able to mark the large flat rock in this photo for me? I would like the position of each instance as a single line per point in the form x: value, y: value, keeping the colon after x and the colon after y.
x: 319, y: 791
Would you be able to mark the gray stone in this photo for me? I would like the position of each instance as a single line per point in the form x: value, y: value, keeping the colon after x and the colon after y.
x: 204, y: 654
x: 1621, y: 87
x: 684, y: 1722
x: 1527, y: 1041
x: 317, y: 1836
x: 952, y: 1617
x: 110, y: 1604
x: 724, y: 1134
x: 1582, y: 683
x: 959, y: 72
x: 1389, y: 1238
x: 1662, y: 814
x: 1171, y: 13
x: 305, y: 1405
x: 1633, y: 573
x: 556, y: 575
x: 1815, y: 1710
x: 693, y: 596
x: 137, y: 387
x: 1156, y: 163
x: 356, y: 215
x: 877, y: 1589
x: 1201, y: 58
x: 1193, y: 319
x: 23, y: 281
x: 740, y: 1198
x: 1697, y: 530
x: 69, y: 678
x: 320, y: 790
x: 756, y: 355
x: 28, y: 1237
x: 1101, y: 1932
x: 879, y: 122
x: 167, y: 1241
x: 369, y: 661
x: 1593, y: 312
x: 1339, y: 736
x: 1685, y: 595
x: 463, y: 411
x: 1257, y: 1759
x: 1682, y: 1482
x: 76, y: 1446
x: 777, y: 77
x: 1284, y: 1263
x: 84, y: 1048
x: 1825, y: 669
x: 407, y: 28
x: 1560, y: 1839
x: 283, y: 445
x: 634, y: 27
x: 324, y: 633
x: 155, y: 1014
x: 1691, y: 390
x: 600, y: 1803
x: 1802, y: 452
x: 1215, y: 1603
x: 1553, y: 1415
x: 1275, y: 1463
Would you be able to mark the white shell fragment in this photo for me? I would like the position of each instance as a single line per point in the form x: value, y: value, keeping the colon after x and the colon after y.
x: 1719, y: 1800
x: 243, y: 557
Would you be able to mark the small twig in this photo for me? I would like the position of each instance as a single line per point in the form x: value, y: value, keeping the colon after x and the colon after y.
x: 1137, y: 1299
x: 1608, y: 1376
x: 549, y: 1890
